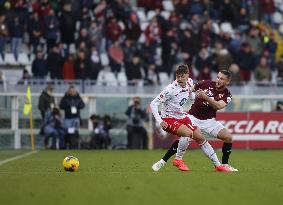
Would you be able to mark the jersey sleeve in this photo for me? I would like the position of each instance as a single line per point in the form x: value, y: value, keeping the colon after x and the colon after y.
x: 199, y: 85
x: 227, y: 98
x: 165, y: 95
x: 192, y: 95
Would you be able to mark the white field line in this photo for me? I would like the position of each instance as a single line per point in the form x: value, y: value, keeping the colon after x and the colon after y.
x: 17, y: 157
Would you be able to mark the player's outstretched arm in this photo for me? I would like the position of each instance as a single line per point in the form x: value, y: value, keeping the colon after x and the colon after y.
x: 217, y: 105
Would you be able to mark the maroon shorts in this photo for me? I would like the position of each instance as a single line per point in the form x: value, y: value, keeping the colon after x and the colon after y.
x: 174, y: 124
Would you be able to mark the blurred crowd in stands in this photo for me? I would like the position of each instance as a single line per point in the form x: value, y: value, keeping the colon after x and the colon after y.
x: 71, y: 39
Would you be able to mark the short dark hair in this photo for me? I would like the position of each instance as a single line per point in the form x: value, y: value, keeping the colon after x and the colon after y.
x: 182, y: 69
x: 227, y: 73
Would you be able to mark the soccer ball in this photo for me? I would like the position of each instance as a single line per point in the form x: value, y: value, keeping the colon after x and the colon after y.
x: 71, y: 163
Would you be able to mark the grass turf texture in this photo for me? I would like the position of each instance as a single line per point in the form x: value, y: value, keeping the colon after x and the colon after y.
x: 125, y: 177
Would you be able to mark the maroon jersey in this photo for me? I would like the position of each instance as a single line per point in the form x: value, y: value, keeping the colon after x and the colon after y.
x: 201, y: 109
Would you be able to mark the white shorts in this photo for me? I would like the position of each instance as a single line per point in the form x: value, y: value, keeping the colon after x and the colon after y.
x: 209, y: 126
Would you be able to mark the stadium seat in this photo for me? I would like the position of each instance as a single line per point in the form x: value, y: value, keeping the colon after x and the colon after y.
x: 144, y: 25
x: 215, y: 27
x: 104, y: 59
x: 226, y: 27
x: 165, y: 14
x: 142, y: 38
x: 281, y: 29
x: 150, y: 14
x: 122, y: 25
x: 23, y: 59
x: 168, y: 5
x: 277, y: 16
x: 10, y: 59
x: 2, y: 62
x: 110, y: 78
x: 106, y: 78
x: 164, y: 78
x: 122, y: 79
x: 141, y: 15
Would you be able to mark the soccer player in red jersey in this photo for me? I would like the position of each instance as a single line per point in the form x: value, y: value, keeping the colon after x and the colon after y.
x: 210, y: 97
x: 175, y: 121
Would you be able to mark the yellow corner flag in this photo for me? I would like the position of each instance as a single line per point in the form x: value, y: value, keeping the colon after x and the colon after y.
x: 28, y: 105
x: 28, y: 110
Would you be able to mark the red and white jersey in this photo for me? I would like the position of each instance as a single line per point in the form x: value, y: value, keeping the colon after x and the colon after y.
x: 172, y: 100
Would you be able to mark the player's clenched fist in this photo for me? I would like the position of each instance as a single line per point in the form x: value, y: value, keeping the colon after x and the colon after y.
x: 201, y: 94
x: 163, y: 125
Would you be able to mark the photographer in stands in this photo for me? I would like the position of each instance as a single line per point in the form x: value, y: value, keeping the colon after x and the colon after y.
x: 100, y: 138
x: 53, y: 128
x: 137, y: 135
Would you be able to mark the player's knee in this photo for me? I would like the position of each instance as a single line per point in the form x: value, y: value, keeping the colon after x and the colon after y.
x: 198, y: 137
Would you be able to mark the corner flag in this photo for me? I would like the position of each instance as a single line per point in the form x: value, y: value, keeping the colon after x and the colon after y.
x: 28, y: 105
x: 28, y: 110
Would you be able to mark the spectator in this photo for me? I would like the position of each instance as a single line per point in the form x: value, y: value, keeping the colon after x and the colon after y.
x: 255, y: 42
x: 223, y: 59
x: 190, y: 43
x: 267, y: 10
x: 116, y: 55
x: 96, y: 64
x: 132, y: 28
x: 169, y: 50
x: 72, y: 103
x: 51, y: 26
x: 16, y: 31
x: 46, y: 100
x: 196, y: 7
x: 137, y: 135
x: 35, y: 32
x: 67, y: 25
x: 3, y: 35
x: 96, y: 36
x: 279, y: 106
x: 152, y: 76
x: 113, y: 32
x: 68, y: 70
x: 54, y: 129
x: 133, y: 71
x: 100, y: 138
x: 2, y: 78
x: 83, y: 37
x: 236, y: 75
x: 203, y: 59
x: 26, y: 78
x: 54, y: 63
x: 243, y: 21
x: 85, y: 18
x: 246, y: 61
x: 39, y: 66
x: 262, y: 73
x: 227, y: 11
x: 205, y: 74
x: 83, y: 66
x: 153, y: 32
x: 280, y: 70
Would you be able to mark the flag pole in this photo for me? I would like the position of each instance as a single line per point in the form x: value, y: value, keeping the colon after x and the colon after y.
x: 31, y: 131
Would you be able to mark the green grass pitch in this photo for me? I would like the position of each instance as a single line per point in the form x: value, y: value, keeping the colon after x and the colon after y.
x: 126, y: 178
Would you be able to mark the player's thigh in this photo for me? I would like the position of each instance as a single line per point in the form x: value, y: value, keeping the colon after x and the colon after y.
x: 184, y: 131
x: 212, y: 127
x: 224, y: 135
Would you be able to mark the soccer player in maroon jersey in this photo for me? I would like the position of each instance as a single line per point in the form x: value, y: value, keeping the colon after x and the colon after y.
x: 175, y: 121
x: 210, y: 97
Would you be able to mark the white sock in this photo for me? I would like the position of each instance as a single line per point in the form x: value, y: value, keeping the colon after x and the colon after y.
x: 210, y: 153
x: 182, y: 147
x: 162, y: 161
